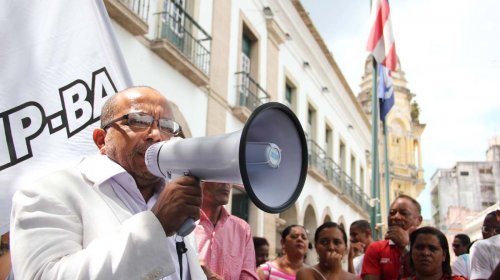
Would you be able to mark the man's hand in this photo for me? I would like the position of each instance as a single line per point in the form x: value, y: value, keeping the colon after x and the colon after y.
x: 209, y: 273
x: 180, y: 199
x: 356, y: 249
x: 398, y: 235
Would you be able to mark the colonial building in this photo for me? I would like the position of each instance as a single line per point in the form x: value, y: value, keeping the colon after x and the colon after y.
x: 218, y: 60
x: 459, y: 195
x: 404, y: 131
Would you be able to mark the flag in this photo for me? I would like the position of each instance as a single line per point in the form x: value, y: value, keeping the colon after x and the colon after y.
x: 381, y: 41
x: 385, y: 91
x: 59, y: 62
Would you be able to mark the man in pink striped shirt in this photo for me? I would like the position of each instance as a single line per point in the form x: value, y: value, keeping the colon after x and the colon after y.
x: 225, y: 242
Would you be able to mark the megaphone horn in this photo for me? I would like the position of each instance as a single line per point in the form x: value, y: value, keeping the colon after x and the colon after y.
x: 268, y: 156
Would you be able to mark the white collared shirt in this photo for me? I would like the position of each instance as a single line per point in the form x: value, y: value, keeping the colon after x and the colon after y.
x: 100, y: 168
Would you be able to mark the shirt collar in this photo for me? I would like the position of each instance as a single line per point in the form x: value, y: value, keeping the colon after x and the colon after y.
x: 99, y: 168
x: 224, y: 214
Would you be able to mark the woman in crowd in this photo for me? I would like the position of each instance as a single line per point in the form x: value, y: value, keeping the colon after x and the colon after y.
x: 261, y: 250
x: 430, y: 256
x: 294, y: 244
x: 330, y: 241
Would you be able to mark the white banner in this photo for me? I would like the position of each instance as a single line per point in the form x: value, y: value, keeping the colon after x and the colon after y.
x: 59, y: 61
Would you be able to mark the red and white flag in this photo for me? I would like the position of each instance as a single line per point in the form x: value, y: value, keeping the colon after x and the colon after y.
x: 381, y: 41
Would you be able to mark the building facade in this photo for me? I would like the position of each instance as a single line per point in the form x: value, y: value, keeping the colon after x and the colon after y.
x: 464, y: 191
x: 217, y: 60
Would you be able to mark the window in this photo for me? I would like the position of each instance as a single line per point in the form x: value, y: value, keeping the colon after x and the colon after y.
x: 487, y: 188
x: 487, y: 204
x: 173, y: 21
x: 464, y: 173
x: 240, y: 204
x: 342, y: 159
x: 362, y: 178
x: 311, y: 123
x: 353, y: 167
x: 329, y: 141
x: 486, y: 170
x: 246, y: 51
x: 250, y: 93
x: 246, y: 47
x: 288, y: 95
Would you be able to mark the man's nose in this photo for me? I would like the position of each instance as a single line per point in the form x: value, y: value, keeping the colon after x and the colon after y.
x: 154, y: 133
x: 398, y: 216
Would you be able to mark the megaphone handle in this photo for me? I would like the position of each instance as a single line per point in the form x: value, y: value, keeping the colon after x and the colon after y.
x: 189, y: 224
x: 187, y: 227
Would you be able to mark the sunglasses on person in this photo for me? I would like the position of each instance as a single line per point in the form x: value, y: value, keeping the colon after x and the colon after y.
x: 141, y: 121
x: 488, y: 229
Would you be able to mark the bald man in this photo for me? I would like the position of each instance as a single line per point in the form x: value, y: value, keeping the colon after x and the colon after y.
x: 109, y: 217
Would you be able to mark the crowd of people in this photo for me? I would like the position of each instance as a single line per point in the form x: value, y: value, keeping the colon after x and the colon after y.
x: 110, y: 218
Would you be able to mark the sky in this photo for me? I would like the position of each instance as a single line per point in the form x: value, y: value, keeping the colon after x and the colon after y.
x: 450, y: 53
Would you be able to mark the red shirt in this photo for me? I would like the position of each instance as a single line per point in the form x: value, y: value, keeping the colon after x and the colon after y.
x: 445, y: 277
x: 382, y: 259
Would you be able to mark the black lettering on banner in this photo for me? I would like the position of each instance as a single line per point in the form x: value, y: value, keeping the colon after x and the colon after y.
x: 81, y: 107
x: 102, y: 86
x: 21, y: 125
x: 77, y: 107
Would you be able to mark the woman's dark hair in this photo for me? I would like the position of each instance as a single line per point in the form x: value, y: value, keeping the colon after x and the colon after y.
x: 287, y: 230
x: 259, y: 241
x: 443, y: 242
x: 330, y: 225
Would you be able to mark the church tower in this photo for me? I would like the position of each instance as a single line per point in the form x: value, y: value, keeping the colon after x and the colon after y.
x: 403, y: 138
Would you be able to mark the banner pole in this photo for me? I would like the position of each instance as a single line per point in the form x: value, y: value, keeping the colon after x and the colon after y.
x: 375, y: 192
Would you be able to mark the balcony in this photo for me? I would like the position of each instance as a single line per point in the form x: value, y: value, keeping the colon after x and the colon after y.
x: 316, y: 160
x: 183, y: 43
x: 333, y: 172
x: 250, y: 95
x: 130, y: 14
x: 326, y: 170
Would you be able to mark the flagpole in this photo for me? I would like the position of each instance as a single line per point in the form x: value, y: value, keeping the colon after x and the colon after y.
x: 375, y: 213
x: 386, y: 168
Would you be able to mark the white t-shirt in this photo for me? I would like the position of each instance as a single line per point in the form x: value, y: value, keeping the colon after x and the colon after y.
x: 358, y: 264
x: 485, y: 255
x: 461, y: 266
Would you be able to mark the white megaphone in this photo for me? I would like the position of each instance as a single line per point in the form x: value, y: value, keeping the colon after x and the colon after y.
x: 269, y: 157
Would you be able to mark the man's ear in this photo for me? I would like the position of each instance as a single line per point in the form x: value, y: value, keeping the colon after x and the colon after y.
x: 420, y: 219
x: 99, y: 137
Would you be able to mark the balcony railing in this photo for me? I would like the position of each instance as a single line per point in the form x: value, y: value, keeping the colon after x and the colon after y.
x: 182, y: 31
x: 250, y: 93
x: 139, y: 7
x: 133, y: 15
x: 316, y: 157
x: 334, y: 173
